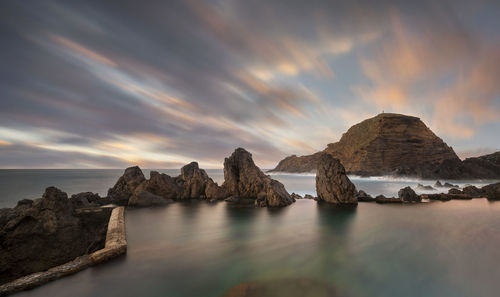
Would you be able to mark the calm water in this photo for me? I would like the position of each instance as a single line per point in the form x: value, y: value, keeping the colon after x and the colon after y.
x: 199, y: 249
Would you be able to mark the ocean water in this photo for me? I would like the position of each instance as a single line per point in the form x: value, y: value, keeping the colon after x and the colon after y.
x: 201, y: 249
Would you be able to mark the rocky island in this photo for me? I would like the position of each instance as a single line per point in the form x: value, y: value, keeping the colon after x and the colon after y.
x: 396, y: 144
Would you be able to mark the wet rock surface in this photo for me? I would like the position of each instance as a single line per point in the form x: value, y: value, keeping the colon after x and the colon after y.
x: 332, y: 183
x: 46, y: 232
x: 408, y: 195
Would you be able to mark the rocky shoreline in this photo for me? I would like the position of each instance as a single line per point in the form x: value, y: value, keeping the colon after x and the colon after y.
x: 90, y: 229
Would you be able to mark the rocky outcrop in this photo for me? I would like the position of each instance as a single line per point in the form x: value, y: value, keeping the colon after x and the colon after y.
x: 125, y: 186
x: 395, y: 144
x: 362, y: 196
x: 85, y: 199
x: 46, y: 232
x: 408, y: 195
x: 382, y: 199
x: 243, y: 179
x: 332, y: 183
x: 492, y: 192
x: 425, y: 188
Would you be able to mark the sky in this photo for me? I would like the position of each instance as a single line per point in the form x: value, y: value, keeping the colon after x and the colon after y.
x: 109, y: 84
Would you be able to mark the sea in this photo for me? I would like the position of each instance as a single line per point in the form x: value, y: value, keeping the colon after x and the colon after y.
x: 200, y: 249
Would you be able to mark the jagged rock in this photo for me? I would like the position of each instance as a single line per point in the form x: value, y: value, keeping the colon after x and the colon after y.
x: 45, y: 232
x: 242, y: 178
x: 145, y: 199
x: 85, y: 199
x: 492, y: 192
x: 425, y: 188
x: 438, y: 184
x: 473, y: 191
x: 454, y: 191
x: 307, y: 196
x: 383, y: 199
x: 195, y: 181
x: 163, y: 185
x: 448, y: 185
x: 332, y: 183
x: 408, y: 195
x: 214, y: 192
x: 296, y: 196
x: 446, y: 197
x: 126, y: 185
x: 362, y: 196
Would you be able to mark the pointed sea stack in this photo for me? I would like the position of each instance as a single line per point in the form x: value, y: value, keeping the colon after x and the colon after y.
x: 332, y: 183
x: 243, y: 179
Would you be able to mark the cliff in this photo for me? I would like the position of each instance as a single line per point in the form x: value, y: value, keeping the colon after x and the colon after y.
x: 394, y: 144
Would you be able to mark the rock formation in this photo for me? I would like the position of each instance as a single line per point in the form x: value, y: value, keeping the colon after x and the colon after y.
x: 383, y: 199
x: 332, y: 183
x: 45, y: 232
x: 362, y: 196
x: 408, y: 195
x: 243, y: 179
x: 394, y: 144
x: 425, y: 188
x: 125, y: 186
x: 492, y: 192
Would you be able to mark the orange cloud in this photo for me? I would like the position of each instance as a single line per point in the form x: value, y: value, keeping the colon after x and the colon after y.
x: 75, y: 47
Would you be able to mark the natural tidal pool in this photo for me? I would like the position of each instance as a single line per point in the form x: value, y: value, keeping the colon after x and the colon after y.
x: 201, y: 249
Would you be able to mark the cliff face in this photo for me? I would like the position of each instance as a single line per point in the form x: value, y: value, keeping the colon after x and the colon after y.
x: 390, y: 144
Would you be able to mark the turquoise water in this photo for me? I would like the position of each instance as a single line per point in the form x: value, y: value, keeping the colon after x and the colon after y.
x: 200, y: 249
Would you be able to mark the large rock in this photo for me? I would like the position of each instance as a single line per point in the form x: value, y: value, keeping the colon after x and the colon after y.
x: 85, y: 199
x: 195, y: 181
x: 332, y: 183
x: 243, y: 179
x: 163, y: 185
x: 473, y: 191
x: 42, y: 233
x: 395, y: 144
x: 126, y: 185
x: 408, y: 195
x: 492, y: 192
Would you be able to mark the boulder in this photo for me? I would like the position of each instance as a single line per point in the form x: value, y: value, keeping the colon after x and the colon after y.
x: 243, y: 179
x: 296, y: 196
x: 454, y: 191
x: 85, y: 199
x: 332, y: 183
x: 39, y: 234
x: 448, y: 185
x: 126, y: 185
x: 146, y: 199
x: 473, y: 191
x: 438, y: 184
x: 307, y: 196
x: 492, y: 192
x: 163, y: 185
x: 195, y: 181
x: 408, y: 195
x: 362, y: 196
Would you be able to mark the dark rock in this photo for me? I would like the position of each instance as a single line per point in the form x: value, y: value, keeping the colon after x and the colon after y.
x: 126, y: 185
x: 438, y: 184
x: 296, y: 196
x: 146, y: 199
x: 242, y: 178
x: 214, y: 192
x: 163, y: 185
x: 46, y: 232
x: 448, y: 185
x: 383, y: 199
x: 195, y: 181
x: 425, y: 188
x: 85, y: 199
x: 473, y: 191
x: 332, y: 183
x: 454, y: 191
x: 408, y: 195
x: 307, y: 196
x: 492, y: 192
x: 362, y: 196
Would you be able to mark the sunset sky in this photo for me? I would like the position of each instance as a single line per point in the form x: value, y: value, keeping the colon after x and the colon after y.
x: 107, y: 84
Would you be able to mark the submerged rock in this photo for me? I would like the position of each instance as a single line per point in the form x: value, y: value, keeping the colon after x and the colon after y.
x: 383, y: 199
x: 42, y: 233
x: 126, y: 185
x: 332, y: 183
x: 308, y: 196
x: 448, y: 185
x: 473, y: 191
x: 425, y: 188
x: 454, y: 191
x: 408, y: 195
x: 438, y: 184
x: 242, y: 178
